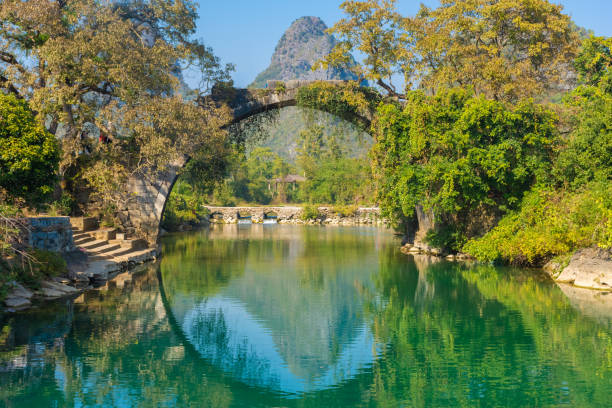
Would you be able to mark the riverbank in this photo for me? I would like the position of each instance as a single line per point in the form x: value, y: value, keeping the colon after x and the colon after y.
x: 91, y: 256
x: 80, y: 278
x: 588, y: 268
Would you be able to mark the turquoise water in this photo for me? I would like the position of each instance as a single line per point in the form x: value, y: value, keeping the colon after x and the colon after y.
x: 288, y: 316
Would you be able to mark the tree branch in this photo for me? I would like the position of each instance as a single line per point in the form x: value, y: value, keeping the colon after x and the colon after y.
x: 9, y: 86
x: 10, y: 59
x: 390, y: 89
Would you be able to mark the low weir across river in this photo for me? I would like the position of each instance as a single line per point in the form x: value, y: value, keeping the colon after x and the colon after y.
x: 232, y: 215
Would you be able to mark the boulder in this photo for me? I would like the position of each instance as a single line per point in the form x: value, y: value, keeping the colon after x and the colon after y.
x: 60, y: 287
x: 51, y: 293
x: 589, y: 268
x: 17, y: 302
x: 19, y: 291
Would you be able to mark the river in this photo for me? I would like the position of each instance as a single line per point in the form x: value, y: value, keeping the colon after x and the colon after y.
x: 296, y: 316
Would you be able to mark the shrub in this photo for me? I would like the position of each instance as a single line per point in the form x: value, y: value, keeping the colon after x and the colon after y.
x: 345, y: 210
x: 30, y: 270
x: 29, y: 155
x: 549, y: 224
x: 49, y: 263
x: 310, y: 212
x: 64, y: 206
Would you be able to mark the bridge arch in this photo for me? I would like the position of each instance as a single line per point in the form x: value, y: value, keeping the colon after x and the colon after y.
x: 143, y: 214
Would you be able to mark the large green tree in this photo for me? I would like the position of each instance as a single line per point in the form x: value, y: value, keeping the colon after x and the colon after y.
x: 29, y: 155
x: 503, y: 49
x: 95, y: 69
x: 573, y: 207
x: 467, y: 158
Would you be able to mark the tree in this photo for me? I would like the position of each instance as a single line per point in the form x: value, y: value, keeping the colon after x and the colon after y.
x: 467, y: 158
x: 29, y: 155
x: 503, y: 49
x: 374, y: 29
x: 594, y: 63
x: 111, y: 71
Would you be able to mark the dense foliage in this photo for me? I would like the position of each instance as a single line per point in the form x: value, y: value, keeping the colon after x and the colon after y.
x: 105, y: 78
x: 468, y: 159
x: 549, y: 223
x: 503, y: 49
x: 29, y: 155
x: 573, y: 209
x: 185, y: 206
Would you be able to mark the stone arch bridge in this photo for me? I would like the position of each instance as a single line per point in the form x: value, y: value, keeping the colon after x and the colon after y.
x: 143, y: 213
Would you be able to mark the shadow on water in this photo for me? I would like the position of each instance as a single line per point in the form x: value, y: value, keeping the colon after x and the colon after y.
x: 282, y: 316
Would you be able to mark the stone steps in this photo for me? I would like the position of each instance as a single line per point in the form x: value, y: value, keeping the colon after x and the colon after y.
x: 105, y: 248
x: 110, y: 255
x: 106, y: 254
x: 83, y: 240
x: 92, y: 245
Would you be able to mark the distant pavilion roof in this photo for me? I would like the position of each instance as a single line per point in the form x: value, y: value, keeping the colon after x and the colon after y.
x: 290, y: 178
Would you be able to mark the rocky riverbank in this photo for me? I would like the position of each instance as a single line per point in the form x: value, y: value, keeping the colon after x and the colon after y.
x: 92, y: 255
x: 589, y: 268
x: 81, y: 277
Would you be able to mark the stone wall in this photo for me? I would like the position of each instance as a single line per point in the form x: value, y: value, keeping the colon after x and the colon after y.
x: 49, y: 233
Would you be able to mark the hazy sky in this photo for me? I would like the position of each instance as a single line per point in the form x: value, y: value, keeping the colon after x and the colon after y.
x: 245, y: 32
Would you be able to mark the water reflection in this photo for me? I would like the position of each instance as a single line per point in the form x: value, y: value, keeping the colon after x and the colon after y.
x: 292, y: 318
x: 309, y: 317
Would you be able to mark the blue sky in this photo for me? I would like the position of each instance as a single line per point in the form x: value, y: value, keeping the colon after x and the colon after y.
x: 245, y: 32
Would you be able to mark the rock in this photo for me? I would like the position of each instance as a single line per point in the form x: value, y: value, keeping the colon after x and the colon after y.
x: 464, y: 257
x: 19, y: 291
x: 435, y: 252
x: 553, y: 268
x: 81, y: 277
x: 51, y: 293
x: 17, y: 302
x: 100, y: 270
x: 59, y: 287
x: 589, y: 268
x: 62, y: 280
x: 451, y: 257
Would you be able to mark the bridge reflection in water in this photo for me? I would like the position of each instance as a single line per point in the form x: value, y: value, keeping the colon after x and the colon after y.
x: 293, y: 326
x: 225, y: 307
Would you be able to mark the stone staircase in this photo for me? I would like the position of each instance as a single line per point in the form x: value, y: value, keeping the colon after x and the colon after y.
x: 107, y: 251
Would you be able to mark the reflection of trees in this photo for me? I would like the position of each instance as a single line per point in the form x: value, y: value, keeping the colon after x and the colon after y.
x: 120, y: 351
x: 454, y: 336
x: 299, y: 282
x: 191, y: 264
x: 484, y: 337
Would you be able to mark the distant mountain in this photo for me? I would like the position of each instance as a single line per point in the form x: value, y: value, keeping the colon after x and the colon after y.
x: 304, y: 43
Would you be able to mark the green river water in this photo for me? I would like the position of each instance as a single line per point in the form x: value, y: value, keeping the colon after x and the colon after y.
x: 290, y: 316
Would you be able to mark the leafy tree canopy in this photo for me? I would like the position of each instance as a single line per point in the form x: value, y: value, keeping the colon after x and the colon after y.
x: 503, y: 49
x: 594, y: 63
x: 29, y: 155
x: 465, y: 157
x: 111, y: 70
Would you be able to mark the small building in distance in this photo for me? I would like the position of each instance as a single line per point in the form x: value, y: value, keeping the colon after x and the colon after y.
x: 280, y: 184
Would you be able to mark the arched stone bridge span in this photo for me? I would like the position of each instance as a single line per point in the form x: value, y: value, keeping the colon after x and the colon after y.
x: 143, y: 213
